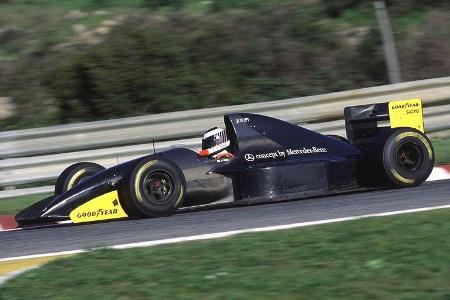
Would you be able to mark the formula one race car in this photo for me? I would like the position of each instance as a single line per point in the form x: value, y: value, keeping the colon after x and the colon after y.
x: 255, y: 159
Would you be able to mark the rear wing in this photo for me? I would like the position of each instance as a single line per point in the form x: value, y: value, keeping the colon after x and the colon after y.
x: 363, y: 122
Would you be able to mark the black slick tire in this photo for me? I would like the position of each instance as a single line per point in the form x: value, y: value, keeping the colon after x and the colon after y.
x: 155, y: 187
x: 407, y: 157
x: 74, y: 174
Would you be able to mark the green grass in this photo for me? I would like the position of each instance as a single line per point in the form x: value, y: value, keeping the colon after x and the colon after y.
x: 51, y: 26
x: 413, y: 17
x: 409, y: 22
x: 442, y: 149
x: 362, y: 15
x: 14, y: 205
x: 399, y: 257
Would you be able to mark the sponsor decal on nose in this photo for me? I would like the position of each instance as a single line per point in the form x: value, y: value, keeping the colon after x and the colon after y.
x: 103, y: 207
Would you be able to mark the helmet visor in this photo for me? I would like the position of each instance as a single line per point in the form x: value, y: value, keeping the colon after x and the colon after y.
x: 214, y: 138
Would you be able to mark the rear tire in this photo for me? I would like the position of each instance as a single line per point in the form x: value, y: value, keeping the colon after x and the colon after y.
x: 407, y: 158
x: 155, y: 187
x: 74, y: 174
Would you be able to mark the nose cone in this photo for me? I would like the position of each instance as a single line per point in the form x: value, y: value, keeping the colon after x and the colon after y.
x: 33, y: 213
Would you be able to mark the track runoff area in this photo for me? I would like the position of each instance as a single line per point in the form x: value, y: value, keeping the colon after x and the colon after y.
x: 21, y: 250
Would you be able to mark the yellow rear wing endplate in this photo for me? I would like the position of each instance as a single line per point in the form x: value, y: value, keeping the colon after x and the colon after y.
x: 406, y: 113
x: 362, y: 122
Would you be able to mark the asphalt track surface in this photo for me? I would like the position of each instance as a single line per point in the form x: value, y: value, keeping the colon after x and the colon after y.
x: 220, y: 218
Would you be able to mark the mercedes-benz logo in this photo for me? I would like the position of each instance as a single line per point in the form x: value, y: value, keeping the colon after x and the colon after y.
x: 249, y: 157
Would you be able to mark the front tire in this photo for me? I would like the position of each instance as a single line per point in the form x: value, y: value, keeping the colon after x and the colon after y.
x: 74, y: 174
x: 407, y: 158
x: 155, y: 187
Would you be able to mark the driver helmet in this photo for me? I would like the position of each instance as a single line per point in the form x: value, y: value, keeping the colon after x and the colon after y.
x: 214, y: 140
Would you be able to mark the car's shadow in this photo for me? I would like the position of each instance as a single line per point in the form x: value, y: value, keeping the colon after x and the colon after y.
x: 210, y: 207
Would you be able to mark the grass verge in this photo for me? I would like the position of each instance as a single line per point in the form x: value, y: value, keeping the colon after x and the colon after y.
x: 391, y: 258
x: 12, y: 206
x: 442, y: 149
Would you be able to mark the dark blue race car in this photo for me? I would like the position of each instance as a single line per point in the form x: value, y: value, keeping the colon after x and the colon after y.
x: 254, y: 159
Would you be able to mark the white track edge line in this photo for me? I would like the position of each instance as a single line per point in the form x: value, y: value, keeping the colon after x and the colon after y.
x: 224, y: 234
